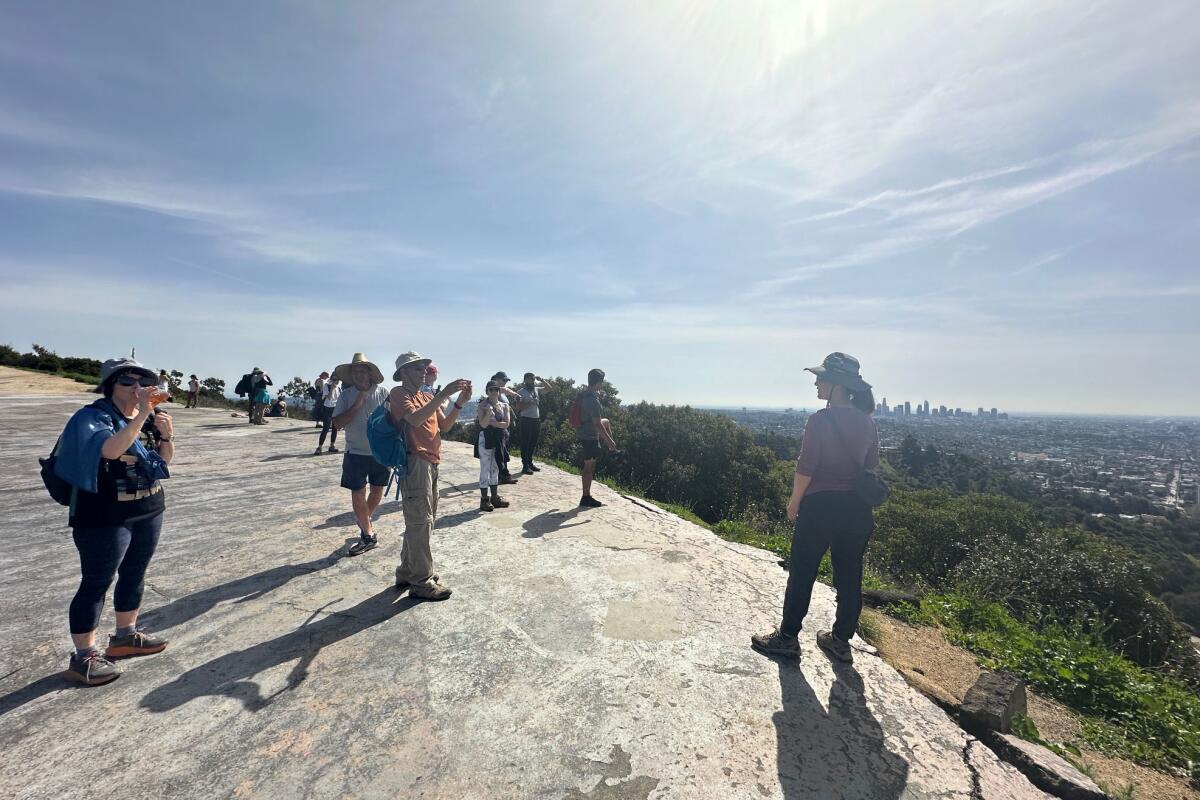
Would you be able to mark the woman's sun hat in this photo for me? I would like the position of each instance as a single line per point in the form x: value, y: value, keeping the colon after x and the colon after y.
x: 407, y: 359
x: 842, y: 369
x: 342, y: 372
x: 111, y: 368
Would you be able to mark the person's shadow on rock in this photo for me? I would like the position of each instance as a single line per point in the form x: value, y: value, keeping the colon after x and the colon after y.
x: 836, y: 753
x: 231, y: 675
x: 551, y: 521
x: 347, y: 518
x: 240, y: 590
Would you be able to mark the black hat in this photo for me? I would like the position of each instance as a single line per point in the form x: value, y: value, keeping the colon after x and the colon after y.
x: 500, y: 376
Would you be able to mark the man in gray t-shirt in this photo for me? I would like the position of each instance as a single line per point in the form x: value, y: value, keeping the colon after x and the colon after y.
x: 593, y: 431
x: 362, y: 395
x: 529, y: 418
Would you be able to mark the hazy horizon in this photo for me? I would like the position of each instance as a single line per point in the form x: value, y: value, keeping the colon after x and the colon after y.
x: 986, y: 203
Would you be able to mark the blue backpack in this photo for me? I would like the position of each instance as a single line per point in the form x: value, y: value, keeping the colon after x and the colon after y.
x: 388, y: 445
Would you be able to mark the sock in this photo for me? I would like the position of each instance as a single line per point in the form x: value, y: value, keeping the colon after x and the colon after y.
x: 483, y: 493
x: 495, y: 492
x: 365, y: 535
x: 80, y: 652
x: 126, y: 631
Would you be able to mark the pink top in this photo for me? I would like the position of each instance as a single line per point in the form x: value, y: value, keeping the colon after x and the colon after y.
x: 831, y: 461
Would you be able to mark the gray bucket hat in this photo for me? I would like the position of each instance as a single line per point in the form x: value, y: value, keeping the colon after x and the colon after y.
x: 842, y: 369
x: 109, y: 369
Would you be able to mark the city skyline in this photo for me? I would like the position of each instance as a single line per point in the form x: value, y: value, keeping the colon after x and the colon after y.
x: 699, y: 197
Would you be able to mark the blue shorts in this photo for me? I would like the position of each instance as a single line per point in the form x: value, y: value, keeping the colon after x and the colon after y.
x: 358, y: 471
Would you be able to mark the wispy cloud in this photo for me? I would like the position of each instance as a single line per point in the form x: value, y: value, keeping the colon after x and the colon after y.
x: 230, y: 215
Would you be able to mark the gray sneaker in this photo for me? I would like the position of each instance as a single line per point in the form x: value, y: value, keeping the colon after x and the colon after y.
x: 776, y: 644
x: 92, y: 669
x: 138, y: 643
x: 835, y: 647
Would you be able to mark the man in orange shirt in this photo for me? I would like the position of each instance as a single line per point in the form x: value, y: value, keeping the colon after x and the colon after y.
x: 424, y: 424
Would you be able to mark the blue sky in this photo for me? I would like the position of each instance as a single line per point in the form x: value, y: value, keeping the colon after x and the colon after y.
x: 987, y: 203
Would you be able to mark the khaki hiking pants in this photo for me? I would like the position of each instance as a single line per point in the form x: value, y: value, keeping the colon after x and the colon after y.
x: 419, y: 490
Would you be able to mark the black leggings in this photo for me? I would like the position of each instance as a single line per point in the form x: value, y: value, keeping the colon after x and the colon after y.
x: 841, y: 523
x: 123, y: 550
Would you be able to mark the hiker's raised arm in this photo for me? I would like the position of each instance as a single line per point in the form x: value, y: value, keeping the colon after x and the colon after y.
x: 463, y: 387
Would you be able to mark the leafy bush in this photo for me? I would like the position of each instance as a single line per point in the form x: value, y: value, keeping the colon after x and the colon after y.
x: 1138, y: 713
x: 996, y: 548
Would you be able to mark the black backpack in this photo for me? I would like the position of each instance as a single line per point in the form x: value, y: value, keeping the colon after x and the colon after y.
x: 62, y: 492
x: 243, y: 386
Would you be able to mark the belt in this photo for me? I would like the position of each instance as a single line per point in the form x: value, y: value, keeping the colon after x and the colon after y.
x: 140, y: 494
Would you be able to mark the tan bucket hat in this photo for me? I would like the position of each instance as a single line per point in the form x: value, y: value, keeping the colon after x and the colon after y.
x: 405, y: 359
x: 342, y: 372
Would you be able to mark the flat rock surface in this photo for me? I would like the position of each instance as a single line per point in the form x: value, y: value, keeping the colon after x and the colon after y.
x: 585, y: 654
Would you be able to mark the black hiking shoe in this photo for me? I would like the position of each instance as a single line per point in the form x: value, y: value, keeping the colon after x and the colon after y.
x: 92, y: 669
x: 137, y: 643
x: 486, y: 505
x: 835, y: 647
x: 535, y: 468
x: 527, y: 471
x: 365, y: 542
x: 587, y: 501
x: 507, y: 479
x: 776, y: 644
x: 499, y: 502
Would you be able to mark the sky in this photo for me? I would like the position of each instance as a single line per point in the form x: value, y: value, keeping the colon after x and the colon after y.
x: 988, y: 204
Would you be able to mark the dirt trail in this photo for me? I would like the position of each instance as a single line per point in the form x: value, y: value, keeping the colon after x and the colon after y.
x: 19, y: 382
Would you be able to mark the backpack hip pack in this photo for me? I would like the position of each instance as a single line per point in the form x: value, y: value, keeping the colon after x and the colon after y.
x: 388, y: 444
x: 62, y: 492
x: 575, y: 413
x: 869, y: 487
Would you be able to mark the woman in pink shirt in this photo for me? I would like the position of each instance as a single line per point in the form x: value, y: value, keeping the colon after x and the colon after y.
x: 839, y: 441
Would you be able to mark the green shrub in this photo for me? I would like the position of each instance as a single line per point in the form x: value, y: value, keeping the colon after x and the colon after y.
x: 1133, y: 712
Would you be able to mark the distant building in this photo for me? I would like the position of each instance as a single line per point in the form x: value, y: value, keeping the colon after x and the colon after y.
x: 907, y: 409
x: 927, y: 408
x: 993, y: 413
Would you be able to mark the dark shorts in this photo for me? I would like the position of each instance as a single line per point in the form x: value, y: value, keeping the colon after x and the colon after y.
x: 591, y: 449
x: 358, y: 471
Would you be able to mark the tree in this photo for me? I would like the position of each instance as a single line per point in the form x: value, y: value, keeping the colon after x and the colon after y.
x: 297, y: 387
x: 911, y: 456
x: 213, y: 388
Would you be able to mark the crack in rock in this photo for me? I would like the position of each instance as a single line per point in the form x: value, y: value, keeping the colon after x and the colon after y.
x: 976, y: 785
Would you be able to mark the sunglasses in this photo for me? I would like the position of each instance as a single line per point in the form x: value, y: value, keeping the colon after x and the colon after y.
x: 133, y: 380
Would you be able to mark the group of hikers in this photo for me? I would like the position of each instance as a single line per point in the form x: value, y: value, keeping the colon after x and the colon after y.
x: 114, y: 454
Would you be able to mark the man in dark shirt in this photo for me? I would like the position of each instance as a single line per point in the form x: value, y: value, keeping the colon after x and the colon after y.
x: 593, y: 430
